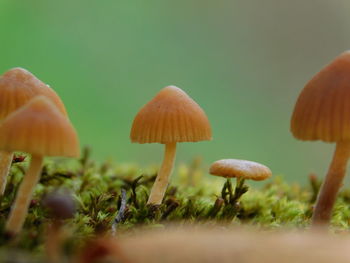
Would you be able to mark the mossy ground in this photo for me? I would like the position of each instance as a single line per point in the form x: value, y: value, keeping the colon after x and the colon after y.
x: 192, y: 198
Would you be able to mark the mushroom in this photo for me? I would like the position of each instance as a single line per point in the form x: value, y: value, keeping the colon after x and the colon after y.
x: 17, y: 87
x: 40, y: 129
x: 322, y: 112
x: 61, y: 206
x: 241, y: 170
x: 170, y: 117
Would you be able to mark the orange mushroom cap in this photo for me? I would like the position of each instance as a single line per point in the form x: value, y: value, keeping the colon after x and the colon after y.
x: 171, y: 116
x: 240, y: 168
x: 18, y: 86
x: 39, y: 128
x: 322, y: 111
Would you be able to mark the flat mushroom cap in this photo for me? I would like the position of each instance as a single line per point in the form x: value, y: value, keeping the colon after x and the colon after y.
x: 240, y: 168
x: 39, y: 128
x: 18, y: 86
x: 322, y: 111
x: 171, y: 116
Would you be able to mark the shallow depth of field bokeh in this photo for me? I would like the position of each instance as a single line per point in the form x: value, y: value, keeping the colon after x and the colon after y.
x: 244, y: 62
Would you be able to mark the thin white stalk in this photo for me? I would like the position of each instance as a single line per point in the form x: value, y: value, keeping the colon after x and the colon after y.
x: 5, y: 165
x: 20, y: 207
x: 331, y: 185
x: 160, y: 185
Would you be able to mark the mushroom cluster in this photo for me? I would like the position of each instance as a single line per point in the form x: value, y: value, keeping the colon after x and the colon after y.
x: 172, y: 117
x: 17, y: 87
x: 33, y: 120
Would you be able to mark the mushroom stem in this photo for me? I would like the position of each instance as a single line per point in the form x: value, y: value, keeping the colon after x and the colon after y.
x: 53, y: 244
x: 160, y: 185
x: 20, y: 207
x: 5, y: 165
x: 330, y: 187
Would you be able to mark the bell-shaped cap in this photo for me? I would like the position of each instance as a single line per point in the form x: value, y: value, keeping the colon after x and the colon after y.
x: 18, y: 86
x: 229, y: 168
x: 322, y: 111
x: 171, y: 116
x: 39, y: 128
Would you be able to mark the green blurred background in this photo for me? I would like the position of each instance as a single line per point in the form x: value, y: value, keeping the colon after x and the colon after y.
x: 243, y: 61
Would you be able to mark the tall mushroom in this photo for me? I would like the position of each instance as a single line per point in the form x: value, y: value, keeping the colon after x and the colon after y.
x: 40, y: 129
x: 322, y: 112
x: 170, y: 117
x: 17, y: 87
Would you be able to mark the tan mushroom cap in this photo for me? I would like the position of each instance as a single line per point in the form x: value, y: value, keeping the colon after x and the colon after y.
x: 240, y: 168
x: 39, y: 128
x: 18, y: 86
x: 171, y: 116
x: 322, y: 111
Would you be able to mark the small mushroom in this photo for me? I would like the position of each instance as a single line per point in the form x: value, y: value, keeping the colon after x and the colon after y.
x: 17, y: 87
x: 170, y: 117
x: 322, y: 112
x: 61, y: 206
x: 241, y: 170
x: 40, y: 129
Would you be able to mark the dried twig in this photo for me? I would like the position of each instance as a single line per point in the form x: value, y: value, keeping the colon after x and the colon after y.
x: 120, y: 214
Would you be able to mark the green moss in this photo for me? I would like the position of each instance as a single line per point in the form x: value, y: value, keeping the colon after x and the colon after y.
x: 192, y: 198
